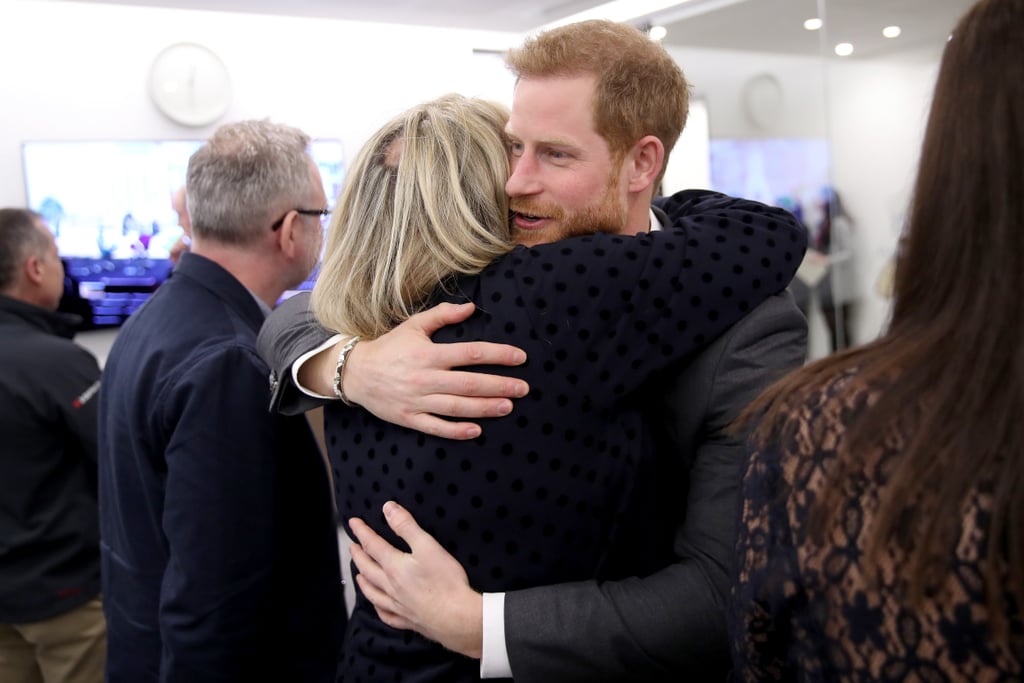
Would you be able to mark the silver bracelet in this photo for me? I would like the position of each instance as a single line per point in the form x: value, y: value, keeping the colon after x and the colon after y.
x: 339, y: 370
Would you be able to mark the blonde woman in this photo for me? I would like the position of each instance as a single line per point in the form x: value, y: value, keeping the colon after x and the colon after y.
x: 565, y: 488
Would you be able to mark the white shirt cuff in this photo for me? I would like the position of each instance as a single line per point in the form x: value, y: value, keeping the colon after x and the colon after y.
x: 494, y: 660
x: 306, y: 356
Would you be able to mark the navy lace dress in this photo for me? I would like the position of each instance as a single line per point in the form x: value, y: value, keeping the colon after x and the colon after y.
x: 803, y: 611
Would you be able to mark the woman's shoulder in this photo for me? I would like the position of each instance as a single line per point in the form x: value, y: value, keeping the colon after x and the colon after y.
x: 812, y: 427
x: 845, y: 388
x: 579, y: 251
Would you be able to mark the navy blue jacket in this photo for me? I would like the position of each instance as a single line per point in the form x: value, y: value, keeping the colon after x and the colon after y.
x: 219, y: 549
x: 49, y: 535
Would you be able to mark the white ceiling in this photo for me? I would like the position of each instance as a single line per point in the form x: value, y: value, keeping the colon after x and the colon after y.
x: 777, y: 26
x: 758, y: 25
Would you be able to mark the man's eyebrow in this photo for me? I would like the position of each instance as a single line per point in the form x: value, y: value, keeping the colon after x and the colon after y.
x: 559, y: 142
x: 546, y: 142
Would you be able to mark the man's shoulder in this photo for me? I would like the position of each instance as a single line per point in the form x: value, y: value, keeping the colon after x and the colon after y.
x: 721, y: 379
x: 183, y: 335
x: 34, y: 348
x: 776, y: 314
x: 182, y: 310
x: 178, y: 295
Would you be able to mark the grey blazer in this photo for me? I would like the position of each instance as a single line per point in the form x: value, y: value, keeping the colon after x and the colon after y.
x: 288, y: 332
x: 670, y: 625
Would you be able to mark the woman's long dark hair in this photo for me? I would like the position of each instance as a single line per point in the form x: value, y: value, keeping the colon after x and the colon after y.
x: 951, y: 364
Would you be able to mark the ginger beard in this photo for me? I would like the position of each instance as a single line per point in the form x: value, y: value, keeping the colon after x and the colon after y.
x: 607, y: 215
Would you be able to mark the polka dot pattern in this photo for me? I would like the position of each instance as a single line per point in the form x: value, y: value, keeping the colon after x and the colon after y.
x: 561, y: 489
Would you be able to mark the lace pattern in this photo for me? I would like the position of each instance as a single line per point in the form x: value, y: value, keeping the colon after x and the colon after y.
x: 806, y: 611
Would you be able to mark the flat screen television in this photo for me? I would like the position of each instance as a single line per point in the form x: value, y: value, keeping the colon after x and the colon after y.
x: 786, y: 172
x: 108, y: 204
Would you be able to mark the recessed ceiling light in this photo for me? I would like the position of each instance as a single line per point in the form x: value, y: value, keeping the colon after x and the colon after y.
x: 617, y: 10
x: 658, y: 32
x: 892, y: 31
x: 813, y: 24
x: 844, y: 49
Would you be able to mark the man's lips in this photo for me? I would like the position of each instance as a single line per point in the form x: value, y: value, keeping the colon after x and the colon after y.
x: 525, y: 221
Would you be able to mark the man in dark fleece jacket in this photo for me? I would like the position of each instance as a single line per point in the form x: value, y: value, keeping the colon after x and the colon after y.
x: 51, y: 620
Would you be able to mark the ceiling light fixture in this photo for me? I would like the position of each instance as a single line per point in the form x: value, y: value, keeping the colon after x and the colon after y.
x: 657, y: 32
x: 844, y: 49
x: 892, y: 31
x: 661, y: 11
x: 813, y: 24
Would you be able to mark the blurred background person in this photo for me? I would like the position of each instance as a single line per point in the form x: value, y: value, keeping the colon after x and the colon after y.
x: 882, y: 534
x: 73, y: 303
x: 837, y: 288
x: 827, y: 274
x: 51, y: 620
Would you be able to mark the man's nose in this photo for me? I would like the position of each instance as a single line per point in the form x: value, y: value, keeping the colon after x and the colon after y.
x: 523, y: 179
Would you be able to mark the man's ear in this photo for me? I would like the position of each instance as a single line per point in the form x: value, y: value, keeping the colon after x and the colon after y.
x: 34, y: 269
x: 645, y: 161
x: 288, y: 237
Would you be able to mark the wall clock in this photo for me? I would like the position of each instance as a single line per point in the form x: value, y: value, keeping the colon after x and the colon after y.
x: 190, y: 84
x: 763, y: 101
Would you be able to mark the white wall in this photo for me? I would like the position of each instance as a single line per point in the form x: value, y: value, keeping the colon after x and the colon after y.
x: 719, y: 76
x: 78, y: 71
x: 877, y: 116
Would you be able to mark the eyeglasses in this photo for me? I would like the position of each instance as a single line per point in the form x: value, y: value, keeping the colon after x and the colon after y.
x: 322, y: 213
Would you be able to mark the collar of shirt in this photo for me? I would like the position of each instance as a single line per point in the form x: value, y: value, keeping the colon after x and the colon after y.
x: 259, y: 302
x: 655, y: 223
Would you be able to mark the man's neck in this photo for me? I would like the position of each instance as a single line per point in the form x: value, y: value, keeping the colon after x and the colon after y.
x: 638, y: 215
x: 249, y: 266
x: 28, y: 295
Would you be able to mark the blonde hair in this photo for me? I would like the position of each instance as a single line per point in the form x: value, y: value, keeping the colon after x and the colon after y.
x: 640, y: 89
x: 423, y: 203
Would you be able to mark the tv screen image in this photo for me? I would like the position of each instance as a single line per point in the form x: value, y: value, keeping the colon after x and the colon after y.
x: 786, y: 172
x: 109, y: 206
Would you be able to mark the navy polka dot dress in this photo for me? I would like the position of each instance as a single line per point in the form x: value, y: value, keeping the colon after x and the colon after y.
x: 563, y: 488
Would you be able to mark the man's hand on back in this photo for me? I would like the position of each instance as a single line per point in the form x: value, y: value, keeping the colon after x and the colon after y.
x: 404, y: 378
x: 425, y: 590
